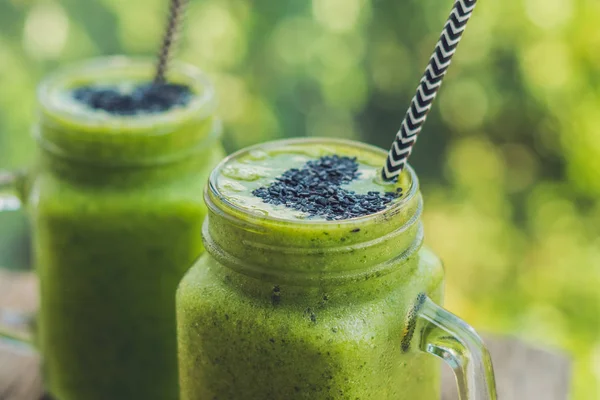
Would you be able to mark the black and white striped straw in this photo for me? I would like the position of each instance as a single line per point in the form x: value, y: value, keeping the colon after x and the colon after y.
x: 427, y: 89
x: 172, y: 30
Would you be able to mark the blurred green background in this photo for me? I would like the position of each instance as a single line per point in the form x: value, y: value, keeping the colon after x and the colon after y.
x: 509, y: 158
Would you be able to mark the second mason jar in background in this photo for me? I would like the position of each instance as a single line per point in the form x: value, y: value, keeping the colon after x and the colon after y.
x: 115, y: 204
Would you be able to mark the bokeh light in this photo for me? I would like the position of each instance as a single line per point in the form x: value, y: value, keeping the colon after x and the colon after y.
x: 46, y: 31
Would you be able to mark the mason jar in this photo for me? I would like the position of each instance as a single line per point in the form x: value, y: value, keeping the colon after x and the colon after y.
x: 291, y: 308
x: 115, y: 205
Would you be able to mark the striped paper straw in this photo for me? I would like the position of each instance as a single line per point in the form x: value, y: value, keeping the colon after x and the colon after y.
x: 427, y: 89
x: 173, y: 26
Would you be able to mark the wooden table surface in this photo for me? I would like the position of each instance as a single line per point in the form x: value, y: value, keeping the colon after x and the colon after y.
x: 523, y: 371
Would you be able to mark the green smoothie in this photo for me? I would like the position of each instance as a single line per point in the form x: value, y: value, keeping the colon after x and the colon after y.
x: 116, y: 209
x: 289, y: 305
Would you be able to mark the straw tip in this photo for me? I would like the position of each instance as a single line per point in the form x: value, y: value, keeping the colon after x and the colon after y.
x: 390, y: 174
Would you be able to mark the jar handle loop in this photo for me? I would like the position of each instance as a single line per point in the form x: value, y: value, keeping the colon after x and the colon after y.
x: 446, y: 336
x: 13, y: 323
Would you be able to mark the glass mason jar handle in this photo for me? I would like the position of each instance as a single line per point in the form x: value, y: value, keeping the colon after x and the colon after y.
x: 446, y: 336
x: 13, y: 322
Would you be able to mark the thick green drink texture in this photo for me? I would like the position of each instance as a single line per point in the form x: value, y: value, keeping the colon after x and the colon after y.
x: 116, y: 210
x: 282, y: 306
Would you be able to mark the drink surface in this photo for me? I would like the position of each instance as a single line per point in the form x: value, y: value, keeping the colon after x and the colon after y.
x: 115, y: 227
x: 118, y: 95
x: 316, y: 182
x: 289, y: 306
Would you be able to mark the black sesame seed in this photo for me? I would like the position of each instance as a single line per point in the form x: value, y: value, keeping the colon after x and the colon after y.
x: 145, y: 98
x: 316, y: 189
x: 276, y: 296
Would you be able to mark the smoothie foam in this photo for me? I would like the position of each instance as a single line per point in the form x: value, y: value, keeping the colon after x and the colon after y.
x: 240, y: 178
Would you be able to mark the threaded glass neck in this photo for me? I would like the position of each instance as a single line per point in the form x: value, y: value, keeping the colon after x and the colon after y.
x: 276, y: 248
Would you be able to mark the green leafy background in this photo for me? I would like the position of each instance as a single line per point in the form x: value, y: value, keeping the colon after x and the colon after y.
x: 509, y: 158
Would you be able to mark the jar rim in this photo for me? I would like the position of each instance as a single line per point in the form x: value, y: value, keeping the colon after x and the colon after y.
x: 213, y: 195
x: 122, y: 67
